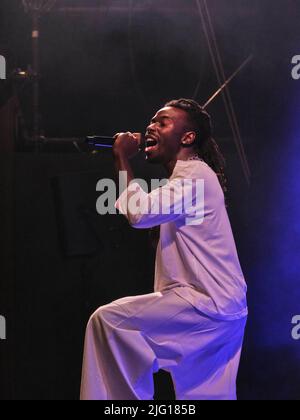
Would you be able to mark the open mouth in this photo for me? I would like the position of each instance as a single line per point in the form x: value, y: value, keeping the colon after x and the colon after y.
x: 151, y: 145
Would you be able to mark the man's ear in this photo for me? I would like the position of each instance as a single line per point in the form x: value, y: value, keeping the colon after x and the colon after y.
x: 188, y: 139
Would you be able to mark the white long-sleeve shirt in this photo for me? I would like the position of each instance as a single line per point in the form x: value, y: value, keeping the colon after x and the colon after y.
x: 196, y: 256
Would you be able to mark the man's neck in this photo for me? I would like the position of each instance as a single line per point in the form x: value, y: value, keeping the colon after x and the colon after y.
x: 184, y: 154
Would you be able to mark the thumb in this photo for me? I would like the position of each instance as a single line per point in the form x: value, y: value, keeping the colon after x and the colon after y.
x: 138, y: 137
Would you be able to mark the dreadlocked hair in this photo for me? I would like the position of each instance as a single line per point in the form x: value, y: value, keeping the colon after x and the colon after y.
x: 207, y: 147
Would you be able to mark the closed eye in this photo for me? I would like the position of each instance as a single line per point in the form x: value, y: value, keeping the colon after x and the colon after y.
x: 161, y: 120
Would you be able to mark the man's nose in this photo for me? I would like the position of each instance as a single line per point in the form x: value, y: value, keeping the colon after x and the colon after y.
x: 151, y: 129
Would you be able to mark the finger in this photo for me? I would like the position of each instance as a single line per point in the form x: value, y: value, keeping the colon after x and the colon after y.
x: 138, y: 137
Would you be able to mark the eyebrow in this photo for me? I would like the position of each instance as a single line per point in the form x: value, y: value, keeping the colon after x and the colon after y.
x: 161, y: 117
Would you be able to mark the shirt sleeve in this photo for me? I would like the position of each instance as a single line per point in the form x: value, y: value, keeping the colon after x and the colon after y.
x: 178, y: 200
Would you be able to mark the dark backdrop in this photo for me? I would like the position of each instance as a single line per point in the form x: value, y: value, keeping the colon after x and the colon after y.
x: 110, y: 71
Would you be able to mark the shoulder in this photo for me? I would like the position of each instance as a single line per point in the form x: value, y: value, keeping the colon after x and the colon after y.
x: 194, y: 169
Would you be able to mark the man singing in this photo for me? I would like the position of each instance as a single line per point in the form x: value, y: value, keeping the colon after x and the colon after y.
x: 193, y: 324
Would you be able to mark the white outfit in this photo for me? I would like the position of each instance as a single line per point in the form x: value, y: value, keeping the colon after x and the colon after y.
x: 193, y: 325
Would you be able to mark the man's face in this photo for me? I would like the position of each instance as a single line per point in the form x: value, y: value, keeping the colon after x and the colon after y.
x: 164, y: 135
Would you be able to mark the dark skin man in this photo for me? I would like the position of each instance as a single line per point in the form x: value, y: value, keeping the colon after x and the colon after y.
x: 167, y: 138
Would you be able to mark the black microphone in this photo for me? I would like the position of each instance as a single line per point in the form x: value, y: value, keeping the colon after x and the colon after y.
x: 100, y: 142
x: 106, y: 142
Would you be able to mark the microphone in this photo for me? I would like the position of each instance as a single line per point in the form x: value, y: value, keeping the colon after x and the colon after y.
x: 100, y: 142
x: 107, y: 142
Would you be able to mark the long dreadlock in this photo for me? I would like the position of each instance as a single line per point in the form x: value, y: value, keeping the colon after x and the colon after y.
x: 207, y: 147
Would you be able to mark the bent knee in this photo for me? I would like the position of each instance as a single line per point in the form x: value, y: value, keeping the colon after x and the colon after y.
x: 106, y: 315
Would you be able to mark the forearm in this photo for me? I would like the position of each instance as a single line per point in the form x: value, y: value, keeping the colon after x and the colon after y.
x: 122, y: 164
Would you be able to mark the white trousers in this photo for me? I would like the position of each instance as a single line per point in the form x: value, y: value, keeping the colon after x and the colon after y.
x: 132, y: 338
